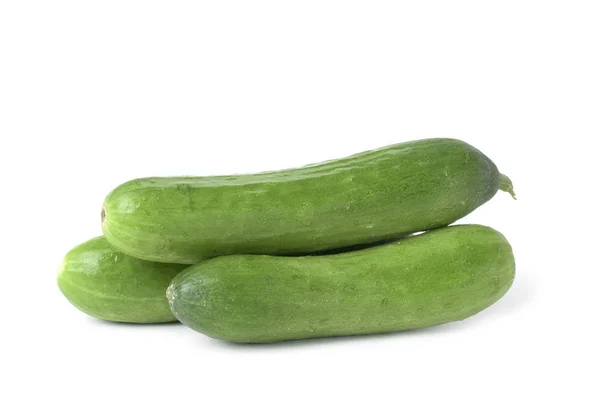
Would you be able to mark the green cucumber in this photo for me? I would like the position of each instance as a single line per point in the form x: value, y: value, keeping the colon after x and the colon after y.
x: 110, y: 285
x: 369, y: 197
x: 443, y: 275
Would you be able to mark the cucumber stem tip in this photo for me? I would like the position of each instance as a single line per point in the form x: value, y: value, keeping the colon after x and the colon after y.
x: 507, y: 186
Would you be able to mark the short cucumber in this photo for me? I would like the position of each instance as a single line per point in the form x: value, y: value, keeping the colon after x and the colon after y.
x: 110, y: 285
x: 440, y: 276
x: 369, y: 197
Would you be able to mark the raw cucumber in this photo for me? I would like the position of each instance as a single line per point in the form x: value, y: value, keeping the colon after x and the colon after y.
x: 110, y: 285
x: 440, y: 276
x: 369, y: 197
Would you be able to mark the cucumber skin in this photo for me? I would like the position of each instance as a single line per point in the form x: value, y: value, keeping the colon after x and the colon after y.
x: 441, y: 276
x: 369, y: 197
x: 110, y: 285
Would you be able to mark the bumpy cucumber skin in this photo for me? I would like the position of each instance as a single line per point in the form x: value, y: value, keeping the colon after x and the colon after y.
x: 110, y: 285
x: 441, y: 276
x: 371, y: 196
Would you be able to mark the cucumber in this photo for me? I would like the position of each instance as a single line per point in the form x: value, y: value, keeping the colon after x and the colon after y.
x: 440, y: 276
x: 110, y: 285
x: 369, y: 197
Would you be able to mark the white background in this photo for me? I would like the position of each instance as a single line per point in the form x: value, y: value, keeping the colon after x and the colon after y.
x: 96, y: 93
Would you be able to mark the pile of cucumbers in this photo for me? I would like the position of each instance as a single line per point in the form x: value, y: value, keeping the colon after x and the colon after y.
x: 352, y: 246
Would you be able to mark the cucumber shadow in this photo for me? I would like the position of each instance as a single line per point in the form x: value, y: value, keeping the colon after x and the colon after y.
x: 133, y: 325
x: 518, y: 297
